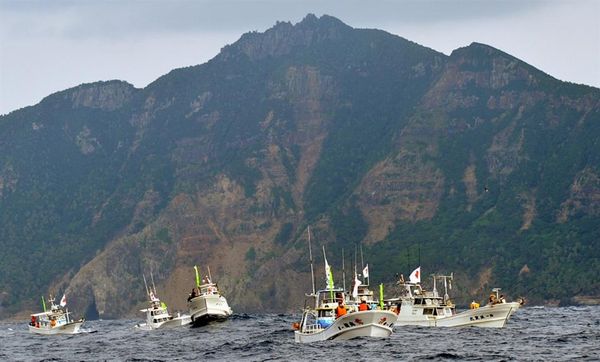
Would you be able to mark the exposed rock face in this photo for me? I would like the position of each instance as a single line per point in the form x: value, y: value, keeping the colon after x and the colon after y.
x: 584, y: 196
x: 8, y: 179
x: 478, y: 159
x: 104, y: 95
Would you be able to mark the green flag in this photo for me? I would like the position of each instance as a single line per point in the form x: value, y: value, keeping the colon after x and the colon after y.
x: 43, y: 303
x: 197, y: 276
x: 381, y: 295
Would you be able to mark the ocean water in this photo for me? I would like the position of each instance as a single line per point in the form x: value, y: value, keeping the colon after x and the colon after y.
x: 552, y: 334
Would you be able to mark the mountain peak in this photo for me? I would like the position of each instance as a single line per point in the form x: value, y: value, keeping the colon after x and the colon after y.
x: 283, y: 37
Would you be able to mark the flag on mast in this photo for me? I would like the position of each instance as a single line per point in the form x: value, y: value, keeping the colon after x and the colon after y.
x: 415, y: 276
x: 328, y: 275
x: 366, y: 271
x: 197, y: 276
x: 357, y: 283
x: 63, y: 301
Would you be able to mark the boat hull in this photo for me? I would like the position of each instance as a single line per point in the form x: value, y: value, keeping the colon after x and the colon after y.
x: 71, y: 328
x: 489, y: 316
x: 373, y: 323
x: 208, y: 308
x: 183, y: 320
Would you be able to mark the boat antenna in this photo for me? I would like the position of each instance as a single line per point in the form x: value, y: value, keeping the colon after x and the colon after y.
x: 343, y: 272
x: 146, y: 284
x: 312, y: 272
x: 354, y: 258
x: 209, y: 276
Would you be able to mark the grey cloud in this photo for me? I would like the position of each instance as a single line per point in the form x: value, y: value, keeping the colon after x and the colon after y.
x: 118, y: 19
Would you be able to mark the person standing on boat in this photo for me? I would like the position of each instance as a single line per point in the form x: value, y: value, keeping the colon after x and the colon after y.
x: 363, y: 306
x: 340, y: 310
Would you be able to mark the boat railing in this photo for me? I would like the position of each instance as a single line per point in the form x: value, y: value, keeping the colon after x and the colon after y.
x: 312, y: 328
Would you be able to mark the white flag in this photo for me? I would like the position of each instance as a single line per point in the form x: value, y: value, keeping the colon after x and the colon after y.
x: 357, y: 283
x: 415, y: 276
x: 63, y: 301
x: 366, y: 271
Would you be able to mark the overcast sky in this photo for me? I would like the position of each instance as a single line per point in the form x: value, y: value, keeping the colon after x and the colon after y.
x: 47, y: 46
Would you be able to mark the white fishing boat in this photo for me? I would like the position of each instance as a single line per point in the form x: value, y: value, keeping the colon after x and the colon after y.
x: 418, y: 307
x: 206, y: 304
x: 320, y: 323
x: 57, y: 320
x: 330, y: 319
x: 157, y: 314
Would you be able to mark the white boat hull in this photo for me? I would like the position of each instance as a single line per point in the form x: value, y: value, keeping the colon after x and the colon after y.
x: 373, y: 323
x: 207, y: 308
x: 183, y: 320
x: 71, y: 328
x: 489, y: 316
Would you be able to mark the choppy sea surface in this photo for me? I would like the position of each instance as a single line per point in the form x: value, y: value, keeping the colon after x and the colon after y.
x: 533, y: 333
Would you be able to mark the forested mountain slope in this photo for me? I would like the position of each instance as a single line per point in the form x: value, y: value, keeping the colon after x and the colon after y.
x: 475, y: 163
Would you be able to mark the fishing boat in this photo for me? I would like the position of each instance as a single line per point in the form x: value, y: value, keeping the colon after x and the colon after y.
x: 329, y: 319
x: 157, y: 314
x: 320, y: 323
x: 57, y: 320
x: 418, y: 307
x: 205, y: 303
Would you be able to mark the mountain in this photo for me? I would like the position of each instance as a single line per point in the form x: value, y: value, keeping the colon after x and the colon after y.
x: 476, y: 163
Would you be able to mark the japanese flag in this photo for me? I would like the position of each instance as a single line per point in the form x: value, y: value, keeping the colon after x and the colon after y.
x: 365, y: 272
x: 63, y: 301
x: 415, y: 276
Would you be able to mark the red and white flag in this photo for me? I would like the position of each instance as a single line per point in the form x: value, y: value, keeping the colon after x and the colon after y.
x: 365, y: 272
x: 415, y: 276
x: 63, y: 301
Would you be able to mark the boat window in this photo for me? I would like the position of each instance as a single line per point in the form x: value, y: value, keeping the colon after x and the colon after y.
x: 428, y: 311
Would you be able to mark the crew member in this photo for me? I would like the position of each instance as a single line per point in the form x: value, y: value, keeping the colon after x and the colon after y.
x: 363, y: 306
x: 340, y: 310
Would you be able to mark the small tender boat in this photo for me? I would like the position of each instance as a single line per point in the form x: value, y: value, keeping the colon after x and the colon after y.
x: 157, y: 314
x: 418, y: 307
x: 206, y: 304
x: 57, y: 320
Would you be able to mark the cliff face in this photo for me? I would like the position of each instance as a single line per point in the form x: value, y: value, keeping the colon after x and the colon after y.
x: 472, y: 160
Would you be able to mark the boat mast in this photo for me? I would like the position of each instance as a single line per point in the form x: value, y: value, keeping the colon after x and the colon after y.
x: 343, y: 272
x: 153, y: 286
x: 362, y: 265
x: 146, y: 284
x: 312, y: 272
x: 209, y: 276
